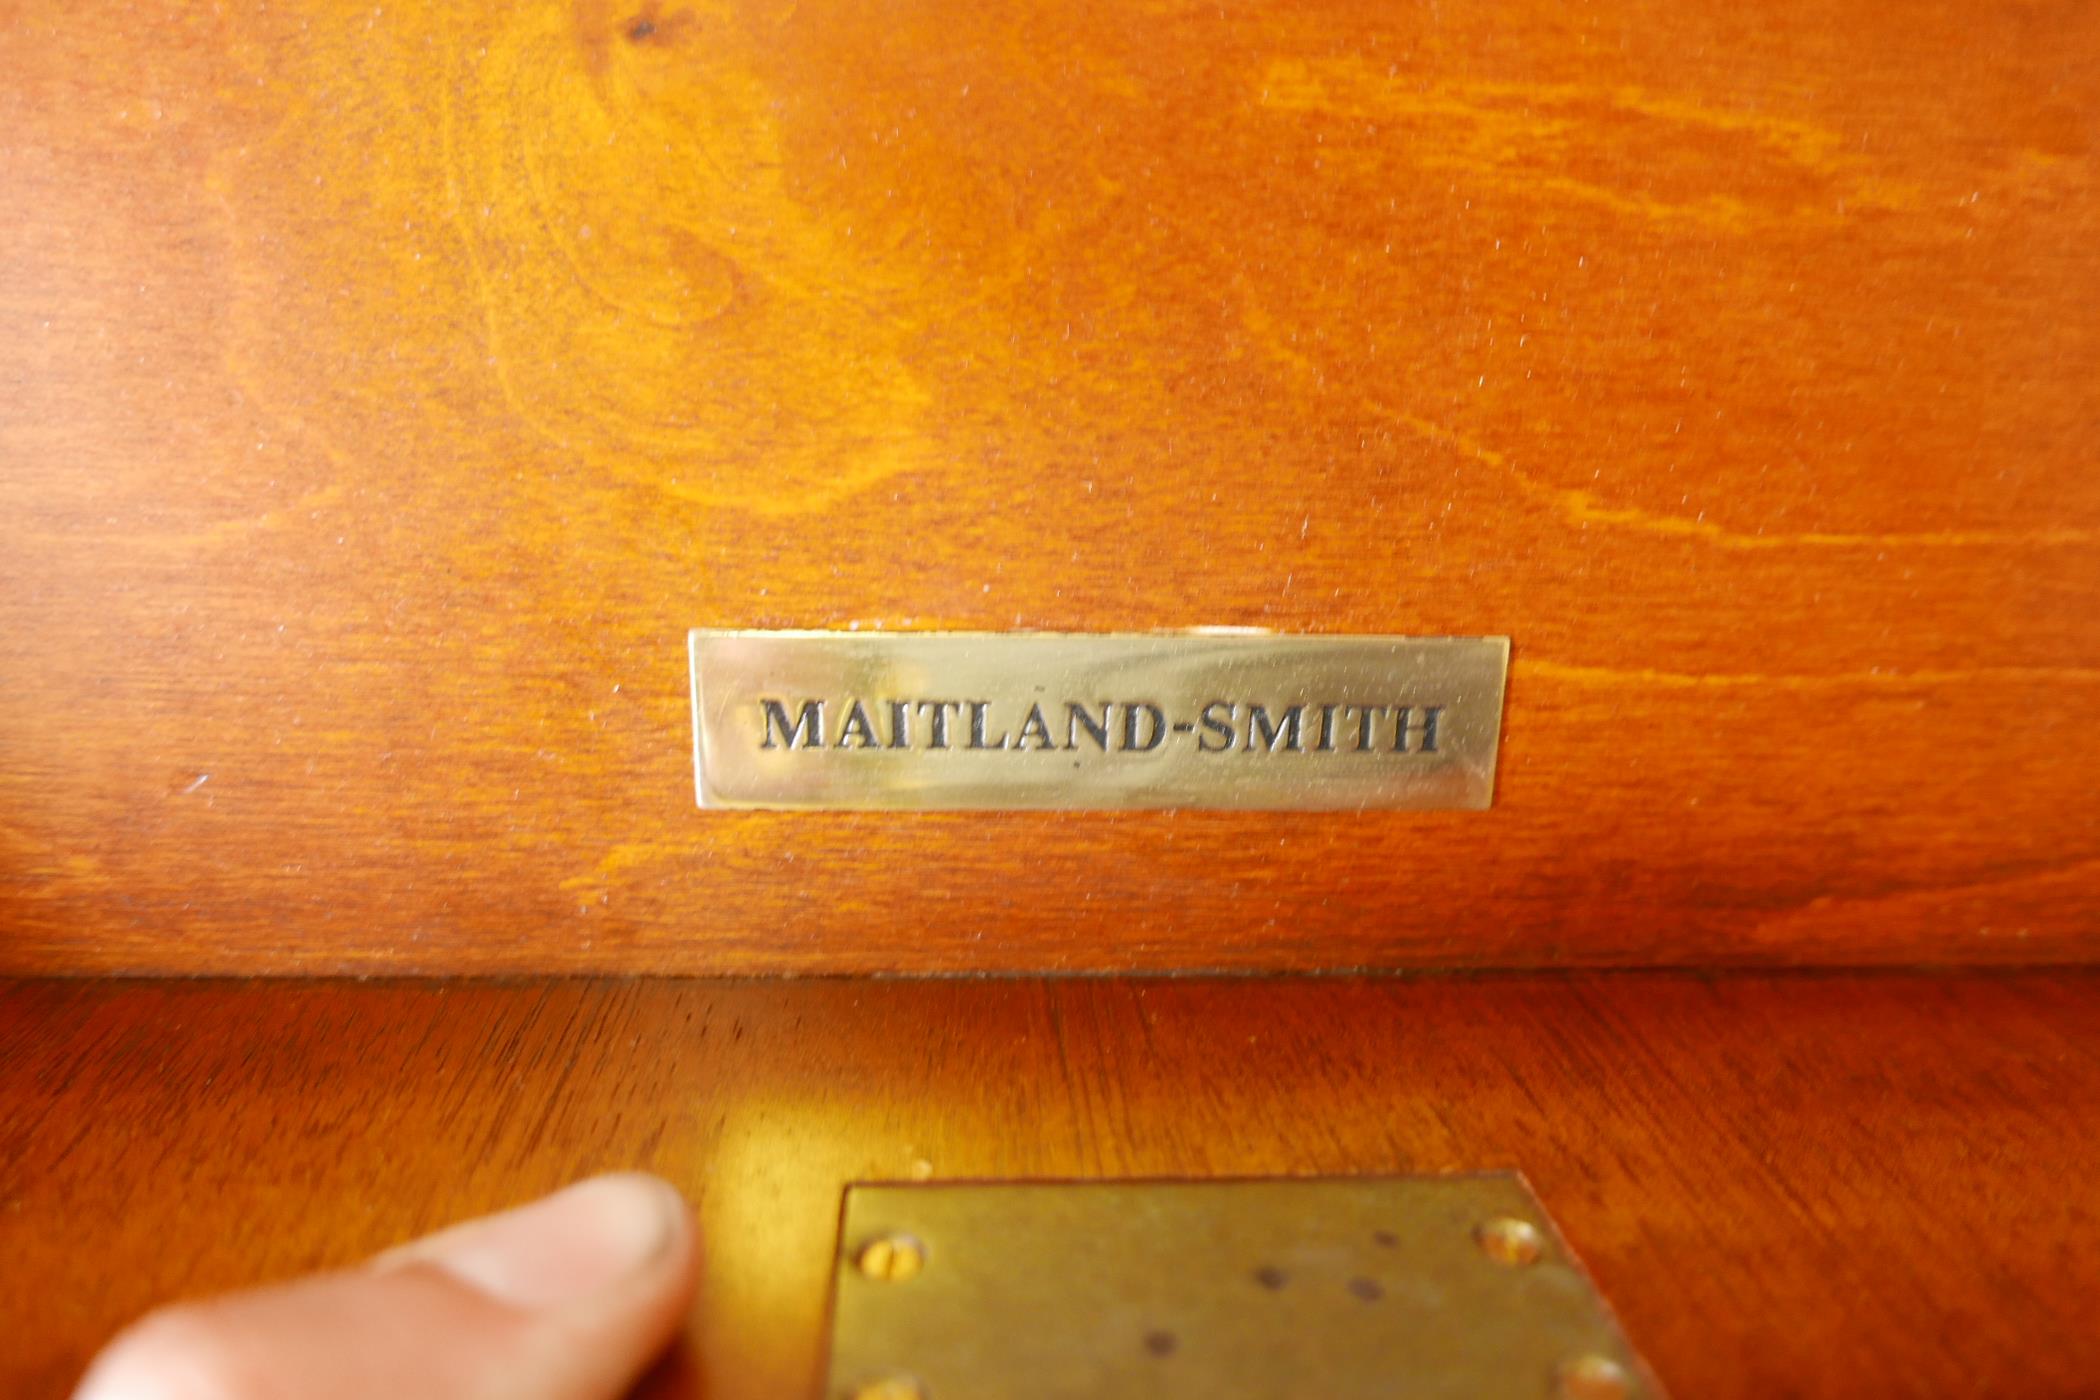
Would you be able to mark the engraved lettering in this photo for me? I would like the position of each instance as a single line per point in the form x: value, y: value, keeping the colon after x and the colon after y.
x: 941, y: 710
x: 1078, y: 717
x: 1402, y: 726
x: 1290, y: 723
x: 1145, y: 726
x: 977, y: 710
x: 808, y: 726
x: 1148, y: 710
x: 857, y: 723
x: 1037, y: 728
x: 1366, y: 716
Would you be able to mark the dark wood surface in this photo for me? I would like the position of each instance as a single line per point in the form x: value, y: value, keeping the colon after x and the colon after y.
x: 385, y: 390
x: 1828, y: 1185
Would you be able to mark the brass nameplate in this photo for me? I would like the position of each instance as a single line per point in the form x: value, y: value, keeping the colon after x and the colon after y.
x: 894, y: 720
x: 1232, y: 1290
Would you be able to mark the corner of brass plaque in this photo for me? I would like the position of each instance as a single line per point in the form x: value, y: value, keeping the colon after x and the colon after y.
x: 1340, y: 1288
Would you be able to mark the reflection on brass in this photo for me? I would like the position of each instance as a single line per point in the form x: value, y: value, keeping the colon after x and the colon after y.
x: 1058, y: 719
x: 1336, y: 1288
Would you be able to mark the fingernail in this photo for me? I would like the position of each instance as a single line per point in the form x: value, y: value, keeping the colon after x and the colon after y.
x: 574, y: 1243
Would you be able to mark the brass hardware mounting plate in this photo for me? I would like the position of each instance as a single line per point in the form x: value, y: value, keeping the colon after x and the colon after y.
x: 1334, y: 1288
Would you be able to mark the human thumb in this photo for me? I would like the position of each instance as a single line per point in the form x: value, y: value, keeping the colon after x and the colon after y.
x: 569, y: 1298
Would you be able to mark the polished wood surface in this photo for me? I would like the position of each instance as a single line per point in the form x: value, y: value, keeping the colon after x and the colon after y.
x: 1833, y: 1185
x: 385, y: 390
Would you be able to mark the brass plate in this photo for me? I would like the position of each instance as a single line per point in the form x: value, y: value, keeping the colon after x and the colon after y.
x: 1058, y: 719
x: 1410, y: 1286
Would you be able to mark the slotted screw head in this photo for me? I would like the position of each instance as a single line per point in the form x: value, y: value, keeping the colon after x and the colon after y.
x: 891, y: 1258
x: 1508, y: 1240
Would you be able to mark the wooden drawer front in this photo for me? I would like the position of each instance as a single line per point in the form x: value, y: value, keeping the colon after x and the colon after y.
x: 387, y: 391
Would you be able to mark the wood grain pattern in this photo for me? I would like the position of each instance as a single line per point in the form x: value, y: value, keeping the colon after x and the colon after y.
x: 1828, y: 1185
x: 386, y: 390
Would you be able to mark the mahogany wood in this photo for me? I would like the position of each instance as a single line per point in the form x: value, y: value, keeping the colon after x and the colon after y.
x: 385, y: 389
x: 1811, y: 1185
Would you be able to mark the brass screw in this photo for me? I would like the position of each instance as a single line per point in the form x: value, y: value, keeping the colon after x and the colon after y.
x: 891, y: 1259
x: 1594, y: 1377
x: 1507, y: 1240
x: 890, y: 1388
